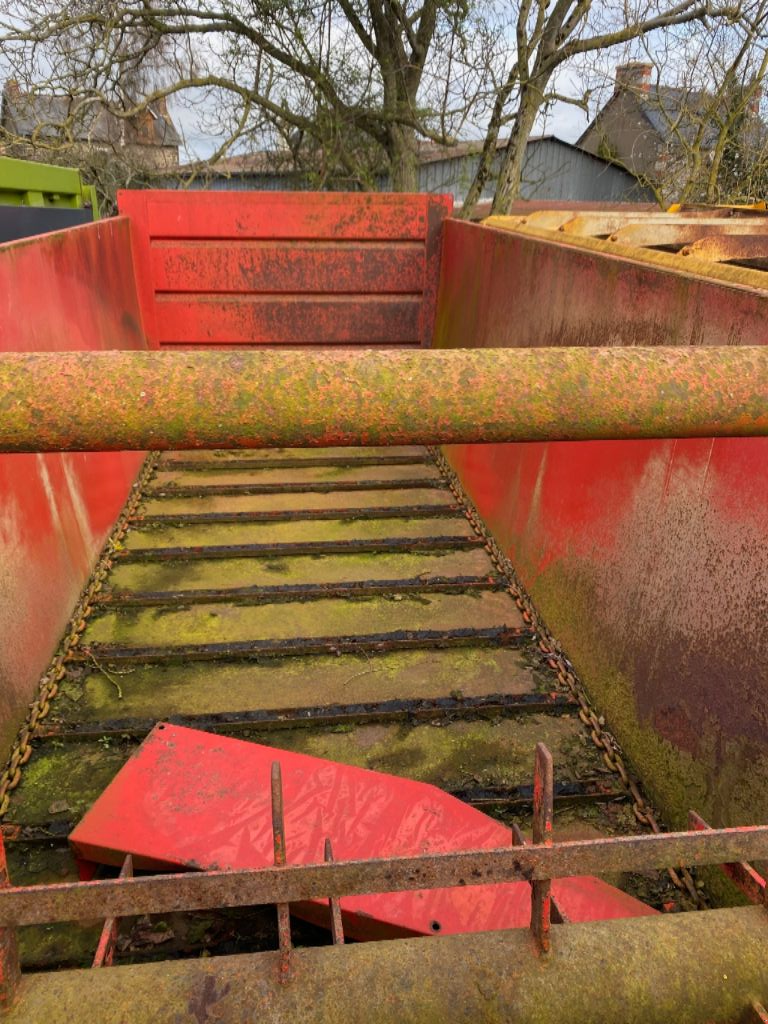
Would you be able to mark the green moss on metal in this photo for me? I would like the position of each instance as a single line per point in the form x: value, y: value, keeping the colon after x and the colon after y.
x: 295, y: 531
x: 218, y: 623
x: 302, y: 569
x: 161, y: 691
x: 675, y: 781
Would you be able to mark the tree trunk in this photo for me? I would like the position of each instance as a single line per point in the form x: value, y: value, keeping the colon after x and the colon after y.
x: 403, y: 159
x: 510, y: 177
x: 487, y: 155
x: 482, y: 174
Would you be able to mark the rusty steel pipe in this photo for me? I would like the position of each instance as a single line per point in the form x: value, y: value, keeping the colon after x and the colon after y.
x: 259, y: 399
x: 685, y: 968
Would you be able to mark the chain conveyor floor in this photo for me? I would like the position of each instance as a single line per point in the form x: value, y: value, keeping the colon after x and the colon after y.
x: 336, y: 602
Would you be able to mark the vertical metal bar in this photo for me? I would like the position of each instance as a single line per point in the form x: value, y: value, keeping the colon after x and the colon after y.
x: 557, y: 915
x: 105, y: 951
x: 757, y: 1014
x: 10, y: 966
x: 543, y: 803
x: 278, y: 836
x: 337, y: 927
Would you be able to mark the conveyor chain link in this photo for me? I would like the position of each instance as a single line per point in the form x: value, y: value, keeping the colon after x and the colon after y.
x: 569, y: 681
x: 48, y: 686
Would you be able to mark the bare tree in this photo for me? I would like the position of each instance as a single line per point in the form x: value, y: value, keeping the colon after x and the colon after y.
x: 707, y: 98
x: 350, y: 86
x: 548, y: 37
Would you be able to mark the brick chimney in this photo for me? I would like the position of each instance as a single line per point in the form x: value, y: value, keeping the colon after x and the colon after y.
x: 11, y: 89
x: 634, y: 76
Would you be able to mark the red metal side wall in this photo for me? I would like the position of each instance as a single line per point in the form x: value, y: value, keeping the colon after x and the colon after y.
x: 291, y: 268
x: 647, y: 559
x: 70, y: 290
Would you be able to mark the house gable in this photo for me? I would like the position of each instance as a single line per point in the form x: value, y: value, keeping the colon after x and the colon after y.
x: 623, y: 132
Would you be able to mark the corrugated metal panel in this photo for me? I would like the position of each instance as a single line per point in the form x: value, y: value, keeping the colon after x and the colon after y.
x: 553, y: 170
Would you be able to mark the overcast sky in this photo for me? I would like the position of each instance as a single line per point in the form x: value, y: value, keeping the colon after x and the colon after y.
x: 564, y: 120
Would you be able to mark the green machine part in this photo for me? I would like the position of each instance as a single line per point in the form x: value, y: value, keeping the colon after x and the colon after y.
x: 28, y: 183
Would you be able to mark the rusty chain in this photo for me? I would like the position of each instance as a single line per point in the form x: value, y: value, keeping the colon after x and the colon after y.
x: 567, y: 677
x: 48, y: 686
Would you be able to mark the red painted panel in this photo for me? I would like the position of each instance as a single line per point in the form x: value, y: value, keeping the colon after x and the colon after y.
x: 499, y: 289
x: 381, y: 244
x: 316, y: 320
x: 647, y: 559
x: 70, y: 290
x: 281, y: 215
x: 256, y: 266
x: 190, y: 799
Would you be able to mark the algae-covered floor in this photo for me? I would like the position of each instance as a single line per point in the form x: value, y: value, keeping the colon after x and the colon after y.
x: 436, y: 679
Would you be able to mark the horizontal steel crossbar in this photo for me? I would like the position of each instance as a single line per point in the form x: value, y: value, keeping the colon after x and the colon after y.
x: 159, y: 894
x: 287, y: 549
x: 428, y: 483
x: 423, y: 708
x: 298, y: 515
x: 114, y: 400
x: 300, y: 591
x: 403, y: 639
x: 334, y: 461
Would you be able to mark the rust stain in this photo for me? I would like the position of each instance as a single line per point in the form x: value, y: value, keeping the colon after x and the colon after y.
x: 170, y: 400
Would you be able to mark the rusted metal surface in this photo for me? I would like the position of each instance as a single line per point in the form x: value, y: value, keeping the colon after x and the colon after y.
x: 300, y: 591
x: 69, y: 901
x: 402, y: 639
x: 310, y: 487
x: 286, y: 269
x: 725, y: 248
x: 593, y: 790
x: 337, y: 925
x: 171, y: 400
x: 10, y: 965
x: 280, y: 855
x: 105, y: 951
x: 684, y: 231
x: 664, y: 973
x: 244, y: 465
x: 399, y: 710
x: 630, y: 261
x: 299, y: 515
x: 543, y: 809
x: 607, y: 221
x: 742, y: 875
x: 454, y: 542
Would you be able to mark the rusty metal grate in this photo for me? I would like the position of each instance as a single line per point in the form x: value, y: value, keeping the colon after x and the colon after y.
x: 537, y: 862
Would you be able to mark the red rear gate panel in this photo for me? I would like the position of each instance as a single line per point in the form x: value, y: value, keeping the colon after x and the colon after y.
x: 295, y: 268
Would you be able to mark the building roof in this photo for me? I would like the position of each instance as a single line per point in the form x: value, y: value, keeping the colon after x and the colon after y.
x: 27, y: 114
x: 675, y: 113
x: 265, y: 161
x: 280, y: 161
x: 678, y: 112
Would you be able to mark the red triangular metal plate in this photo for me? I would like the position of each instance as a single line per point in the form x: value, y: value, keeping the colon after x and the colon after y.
x: 192, y: 799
